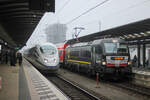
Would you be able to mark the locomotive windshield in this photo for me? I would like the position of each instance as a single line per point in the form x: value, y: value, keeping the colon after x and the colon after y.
x: 47, y: 49
x: 115, y: 47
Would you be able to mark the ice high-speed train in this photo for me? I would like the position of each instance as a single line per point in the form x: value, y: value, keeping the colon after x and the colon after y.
x: 44, y: 57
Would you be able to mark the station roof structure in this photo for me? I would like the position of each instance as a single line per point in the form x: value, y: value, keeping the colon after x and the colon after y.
x: 133, y: 32
x: 18, y: 18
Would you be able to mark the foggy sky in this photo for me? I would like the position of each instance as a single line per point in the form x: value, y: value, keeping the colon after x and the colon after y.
x: 111, y: 14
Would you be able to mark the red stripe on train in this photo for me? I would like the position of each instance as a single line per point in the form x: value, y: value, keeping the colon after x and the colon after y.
x: 110, y: 65
x: 113, y: 65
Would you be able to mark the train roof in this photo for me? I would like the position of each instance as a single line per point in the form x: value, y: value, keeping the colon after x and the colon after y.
x: 97, y: 42
x: 47, y: 43
x: 107, y: 40
x: 80, y: 44
x: 61, y: 45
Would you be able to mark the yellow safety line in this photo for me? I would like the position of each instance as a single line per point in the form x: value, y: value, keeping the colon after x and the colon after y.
x: 84, y: 62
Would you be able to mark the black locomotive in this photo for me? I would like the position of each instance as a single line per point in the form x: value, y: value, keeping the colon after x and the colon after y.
x: 108, y: 57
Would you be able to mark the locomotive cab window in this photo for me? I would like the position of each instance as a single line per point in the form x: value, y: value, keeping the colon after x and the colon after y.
x: 115, y: 48
x: 46, y: 49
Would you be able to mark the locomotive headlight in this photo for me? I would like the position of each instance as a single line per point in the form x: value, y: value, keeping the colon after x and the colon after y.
x: 103, y: 63
x: 129, y: 63
x: 45, y: 60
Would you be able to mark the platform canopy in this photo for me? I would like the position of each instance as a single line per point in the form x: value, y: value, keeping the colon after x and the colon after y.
x: 18, y: 18
x: 133, y: 32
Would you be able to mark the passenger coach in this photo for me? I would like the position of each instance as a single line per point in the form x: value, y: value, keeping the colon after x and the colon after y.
x: 108, y: 57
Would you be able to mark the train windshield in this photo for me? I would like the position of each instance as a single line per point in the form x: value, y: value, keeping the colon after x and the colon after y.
x: 116, y: 47
x: 47, y: 49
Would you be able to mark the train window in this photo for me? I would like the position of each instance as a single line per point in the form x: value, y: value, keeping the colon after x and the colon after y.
x: 98, y: 50
x: 47, y: 49
x: 41, y: 50
x: 88, y: 54
x: 60, y: 52
x: 74, y: 54
x: 115, y: 48
x: 85, y: 52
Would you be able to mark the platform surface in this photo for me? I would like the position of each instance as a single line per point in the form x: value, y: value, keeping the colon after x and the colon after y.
x: 142, y: 71
x: 9, y: 75
x: 39, y: 87
x: 141, y: 76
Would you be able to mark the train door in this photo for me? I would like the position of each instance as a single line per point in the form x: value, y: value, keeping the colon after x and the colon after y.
x: 93, y: 56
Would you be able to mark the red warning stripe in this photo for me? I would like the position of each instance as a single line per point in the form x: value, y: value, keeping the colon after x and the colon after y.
x: 123, y: 65
x: 113, y: 65
x: 110, y: 65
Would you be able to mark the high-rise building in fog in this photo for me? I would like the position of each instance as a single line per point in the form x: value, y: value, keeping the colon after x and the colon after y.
x: 56, y: 33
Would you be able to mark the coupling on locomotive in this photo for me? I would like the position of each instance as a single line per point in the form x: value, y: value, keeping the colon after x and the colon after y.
x: 103, y: 56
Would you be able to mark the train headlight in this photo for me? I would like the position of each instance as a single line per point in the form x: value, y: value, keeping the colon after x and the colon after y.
x: 103, y: 63
x: 45, y: 60
x: 129, y: 63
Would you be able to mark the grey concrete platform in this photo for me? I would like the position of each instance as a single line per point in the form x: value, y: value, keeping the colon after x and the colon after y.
x: 141, y: 76
x: 36, y: 86
x: 26, y: 83
x: 9, y: 75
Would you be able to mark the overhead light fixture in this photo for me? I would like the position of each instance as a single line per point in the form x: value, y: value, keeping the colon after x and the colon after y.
x: 130, y: 35
x: 145, y: 34
x: 122, y: 38
x: 142, y: 33
x: 115, y: 40
x: 136, y: 34
x: 125, y: 36
x: 148, y: 32
x: 139, y: 36
x: 34, y: 15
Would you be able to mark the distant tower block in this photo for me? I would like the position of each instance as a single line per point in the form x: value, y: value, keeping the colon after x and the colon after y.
x: 56, y: 33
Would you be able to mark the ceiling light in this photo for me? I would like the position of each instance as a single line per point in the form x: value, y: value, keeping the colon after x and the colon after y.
x: 148, y: 32
x: 142, y: 33
x: 139, y: 35
x: 130, y: 35
x: 136, y: 34
x: 34, y: 15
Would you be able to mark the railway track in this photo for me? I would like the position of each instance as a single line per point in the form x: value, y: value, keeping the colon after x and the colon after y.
x: 127, y: 85
x: 132, y: 87
x: 71, y: 90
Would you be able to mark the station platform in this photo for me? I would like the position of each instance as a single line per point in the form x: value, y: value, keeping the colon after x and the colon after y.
x: 9, y: 82
x: 141, y: 76
x: 27, y: 83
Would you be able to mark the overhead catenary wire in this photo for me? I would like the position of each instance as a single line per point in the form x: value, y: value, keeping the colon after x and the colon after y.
x: 130, y: 7
x: 118, y: 12
x: 87, y: 11
x: 65, y: 4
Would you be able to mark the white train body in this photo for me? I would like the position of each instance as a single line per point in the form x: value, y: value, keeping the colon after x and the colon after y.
x: 45, y: 57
